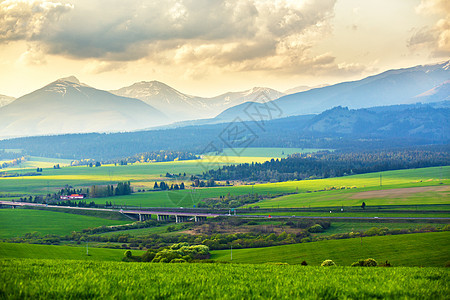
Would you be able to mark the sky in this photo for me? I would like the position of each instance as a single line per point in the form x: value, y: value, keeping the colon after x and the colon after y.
x: 209, y: 47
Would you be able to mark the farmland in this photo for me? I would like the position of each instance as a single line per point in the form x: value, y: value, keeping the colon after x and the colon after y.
x: 355, y: 184
x: 402, y: 193
x: 74, y: 279
x: 13, y: 250
x: 400, y: 250
x: 17, y: 222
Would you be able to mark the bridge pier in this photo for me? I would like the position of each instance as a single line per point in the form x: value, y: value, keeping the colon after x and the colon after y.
x: 180, y: 219
x: 144, y: 217
x: 162, y: 217
x: 199, y: 219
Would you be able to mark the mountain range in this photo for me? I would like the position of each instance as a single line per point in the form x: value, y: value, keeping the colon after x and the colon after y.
x: 5, y: 100
x: 337, y: 128
x: 427, y: 83
x: 68, y: 106
x: 182, y: 107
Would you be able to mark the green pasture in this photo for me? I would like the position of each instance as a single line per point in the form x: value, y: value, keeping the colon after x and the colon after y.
x: 266, y: 152
x: 147, y: 231
x: 361, y: 214
x: 347, y: 226
x: 13, y: 250
x: 141, y: 175
x: 419, y: 249
x: 56, y: 279
x: 34, y: 162
x: 354, y: 197
x: 355, y: 183
x: 18, y: 222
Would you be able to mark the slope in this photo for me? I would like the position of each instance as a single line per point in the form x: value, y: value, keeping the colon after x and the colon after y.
x: 68, y: 106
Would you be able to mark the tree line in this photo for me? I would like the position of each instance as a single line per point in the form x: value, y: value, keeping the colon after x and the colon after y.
x: 327, y: 164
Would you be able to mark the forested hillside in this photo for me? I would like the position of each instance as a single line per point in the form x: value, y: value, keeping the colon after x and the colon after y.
x: 338, y: 128
x: 333, y: 164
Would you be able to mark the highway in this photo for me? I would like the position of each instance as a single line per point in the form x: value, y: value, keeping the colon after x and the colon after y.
x: 212, y: 215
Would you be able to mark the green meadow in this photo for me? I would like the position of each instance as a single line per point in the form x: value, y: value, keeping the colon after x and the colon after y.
x: 346, y: 197
x: 18, y: 222
x: 53, y: 279
x: 266, y: 152
x: 399, y: 250
x: 13, y: 250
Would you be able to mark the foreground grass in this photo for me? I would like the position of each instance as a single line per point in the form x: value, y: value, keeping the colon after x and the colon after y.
x: 18, y: 222
x: 420, y: 249
x: 81, y: 280
x: 10, y: 250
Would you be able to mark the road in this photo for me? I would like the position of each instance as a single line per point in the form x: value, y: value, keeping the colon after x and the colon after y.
x: 212, y: 215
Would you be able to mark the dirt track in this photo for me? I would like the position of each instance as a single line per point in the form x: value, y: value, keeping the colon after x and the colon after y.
x: 396, y: 193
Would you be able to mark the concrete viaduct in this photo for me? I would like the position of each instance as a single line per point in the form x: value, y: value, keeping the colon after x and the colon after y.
x: 141, y: 215
x: 180, y: 217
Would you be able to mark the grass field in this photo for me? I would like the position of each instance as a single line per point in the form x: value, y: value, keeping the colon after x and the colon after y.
x: 44, y: 279
x: 345, y: 227
x: 266, y: 152
x: 17, y: 222
x: 142, y: 175
x: 354, y: 197
x: 360, y: 214
x: 419, y: 249
x: 34, y: 162
x: 147, y: 231
x: 365, y: 182
x: 10, y: 250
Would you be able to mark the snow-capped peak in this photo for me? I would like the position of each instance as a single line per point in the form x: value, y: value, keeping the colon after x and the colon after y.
x: 71, y: 79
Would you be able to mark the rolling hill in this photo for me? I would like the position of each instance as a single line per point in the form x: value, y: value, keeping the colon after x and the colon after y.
x: 68, y: 106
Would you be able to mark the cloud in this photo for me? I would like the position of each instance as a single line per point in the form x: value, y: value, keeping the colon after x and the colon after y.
x: 200, y: 36
x: 34, y: 55
x: 28, y: 20
x: 97, y: 67
x: 437, y: 37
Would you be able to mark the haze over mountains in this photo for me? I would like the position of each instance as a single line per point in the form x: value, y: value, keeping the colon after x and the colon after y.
x: 402, y: 86
x: 182, y: 107
x: 337, y: 128
x: 68, y: 106
x: 4, y: 100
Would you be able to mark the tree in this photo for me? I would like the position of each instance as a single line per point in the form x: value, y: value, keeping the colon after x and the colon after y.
x: 156, y: 186
x: 182, y: 186
x: 363, y: 205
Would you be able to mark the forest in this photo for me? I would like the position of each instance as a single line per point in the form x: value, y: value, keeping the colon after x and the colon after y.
x: 327, y: 164
x: 355, y: 131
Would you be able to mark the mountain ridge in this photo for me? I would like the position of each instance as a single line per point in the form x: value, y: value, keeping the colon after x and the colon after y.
x: 68, y: 106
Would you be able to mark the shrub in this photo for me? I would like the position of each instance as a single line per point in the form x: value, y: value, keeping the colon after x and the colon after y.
x: 328, y: 263
x: 359, y: 263
x: 177, y: 260
x: 369, y: 262
x: 316, y: 228
x: 127, y: 254
x: 304, y: 263
x: 385, y: 264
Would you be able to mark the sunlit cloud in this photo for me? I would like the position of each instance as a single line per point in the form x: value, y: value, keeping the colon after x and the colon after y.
x: 436, y: 37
